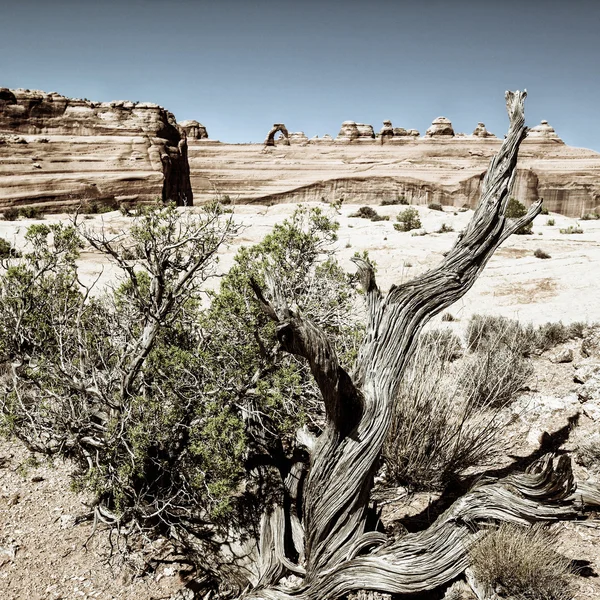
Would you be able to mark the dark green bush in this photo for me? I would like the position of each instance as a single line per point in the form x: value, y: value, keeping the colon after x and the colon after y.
x: 516, y: 210
x: 366, y: 212
x: 539, y: 253
x: 408, y: 219
x: 11, y: 214
x: 435, y: 206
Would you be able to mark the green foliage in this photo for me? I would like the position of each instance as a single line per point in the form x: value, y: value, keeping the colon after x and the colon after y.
x: 516, y: 210
x: 11, y: 214
x: 6, y: 249
x: 394, y: 201
x: 366, y: 212
x: 550, y: 222
x: 408, y: 219
x: 445, y: 228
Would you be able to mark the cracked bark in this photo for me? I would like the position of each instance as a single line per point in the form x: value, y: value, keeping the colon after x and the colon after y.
x: 339, y: 553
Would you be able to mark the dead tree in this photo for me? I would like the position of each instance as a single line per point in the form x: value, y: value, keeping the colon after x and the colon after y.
x: 326, y: 540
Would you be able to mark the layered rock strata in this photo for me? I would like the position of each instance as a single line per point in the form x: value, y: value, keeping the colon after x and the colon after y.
x: 57, y: 151
x: 440, y: 127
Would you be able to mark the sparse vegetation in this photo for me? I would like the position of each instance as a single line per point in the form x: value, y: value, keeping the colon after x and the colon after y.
x: 6, y: 249
x: 445, y: 228
x: 447, y: 316
x: 591, y: 216
x: 366, y: 212
x: 539, y: 253
x: 408, y: 219
x: 588, y: 452
x: 520, y: 562
x: 435, y: 206
x: 571, y: 229
x: 550, y: 222
x: 395, y: 201
x: 544, y: 211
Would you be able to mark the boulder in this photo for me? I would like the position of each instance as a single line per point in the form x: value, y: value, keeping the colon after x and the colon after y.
x: 440, y: 127
x: 590, y: 345
x: 564, y: 356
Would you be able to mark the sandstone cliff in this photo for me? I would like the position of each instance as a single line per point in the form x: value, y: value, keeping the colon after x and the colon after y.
x: 444, y: 169
x: 57, y: 151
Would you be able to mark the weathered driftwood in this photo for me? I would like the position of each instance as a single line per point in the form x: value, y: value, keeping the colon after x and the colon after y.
x: 335, y: 551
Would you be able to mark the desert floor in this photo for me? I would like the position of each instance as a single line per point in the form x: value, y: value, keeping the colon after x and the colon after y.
x: 46, y: 553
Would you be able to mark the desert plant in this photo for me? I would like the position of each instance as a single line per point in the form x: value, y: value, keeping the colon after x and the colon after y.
x: 516, y: 210
x: 539, y: 253
x: 394, y: 201
x: 495, y: 375
x: 445, y: 228
x: 366, y: 212
x: 520, y: 562
x: 435, y: 206
x: 591, y: 216
x: 11, y: 214
x: 544, y: 211
x: 30, y: 212
x: 438, y: 432
x: 447, y: 316
x: 408, y: 219
x: 550, y: 222
x: 485, y: 330
x: 6, y: 249
x: 571, y: 229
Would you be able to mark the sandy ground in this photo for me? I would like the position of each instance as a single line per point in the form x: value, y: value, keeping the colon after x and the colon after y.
x: 43, y: 552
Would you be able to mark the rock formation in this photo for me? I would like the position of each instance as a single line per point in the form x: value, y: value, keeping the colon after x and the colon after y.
x: 482, y: 132
x: 60, y: 151
x: 298, y: 137
x: 543, y: 131
x: 270, y: 139
x: 193, y: 130
x: 440, y: 127
x: 352, y: 132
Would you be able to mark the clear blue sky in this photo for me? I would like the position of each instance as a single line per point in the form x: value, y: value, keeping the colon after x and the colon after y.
x: 240, y: 65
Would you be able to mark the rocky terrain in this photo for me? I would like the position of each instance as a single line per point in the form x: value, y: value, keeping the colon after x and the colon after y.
x: 46, y: 551
x: 57, y: 151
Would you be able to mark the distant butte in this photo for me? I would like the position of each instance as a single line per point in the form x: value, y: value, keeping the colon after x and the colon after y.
x: 56, y: 152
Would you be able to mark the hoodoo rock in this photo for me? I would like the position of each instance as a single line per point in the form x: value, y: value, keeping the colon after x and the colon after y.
x: 194, y: 130
x: 60, y: 151
x: 440, y: 127
x: 543, y: 131
x: 352, y: 132
x: 482, y: 132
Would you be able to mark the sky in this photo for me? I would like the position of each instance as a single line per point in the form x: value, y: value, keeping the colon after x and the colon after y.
x: 238, y: 66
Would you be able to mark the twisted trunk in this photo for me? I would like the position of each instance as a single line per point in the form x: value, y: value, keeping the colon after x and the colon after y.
x: 340, y: 553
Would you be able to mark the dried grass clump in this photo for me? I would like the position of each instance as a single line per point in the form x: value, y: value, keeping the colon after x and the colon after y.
x: 437, y: 431
x: 520, y: 562
x: 484, y: 330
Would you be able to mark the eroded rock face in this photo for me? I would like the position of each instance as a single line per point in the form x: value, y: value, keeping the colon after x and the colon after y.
x: 79, y: 150
x: 440, y: 127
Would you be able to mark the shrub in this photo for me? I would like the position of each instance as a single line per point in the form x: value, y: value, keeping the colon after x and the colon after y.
x: 6, y: 249
x: 11, y: 214
x: 408, y: 219
x: 485, y: 330
x: 394, y: 201
x: 571, y: 229
x: 435, y: 206
x: 550, y: 222
x: 539, y: 253
x: 520, y: 562
x: 445, y: 228
x: 544, y: 211
x: 516, y: 210
x: 495, y: 375
x: 592, y: 216
x: 366, y: 212
x: 448, y: 317
x: 30, y: 212
x: 437, y: 432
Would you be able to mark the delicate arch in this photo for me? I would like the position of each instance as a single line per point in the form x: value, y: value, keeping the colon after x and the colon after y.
x: 270, y: 139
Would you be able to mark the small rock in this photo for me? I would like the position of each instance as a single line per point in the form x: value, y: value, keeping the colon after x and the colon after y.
x: 14, y: 499
x: 589, y: 391
x: 585, y: 372
x: 67, y: 521
x: 564, y: 356
x: 37, y: 478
